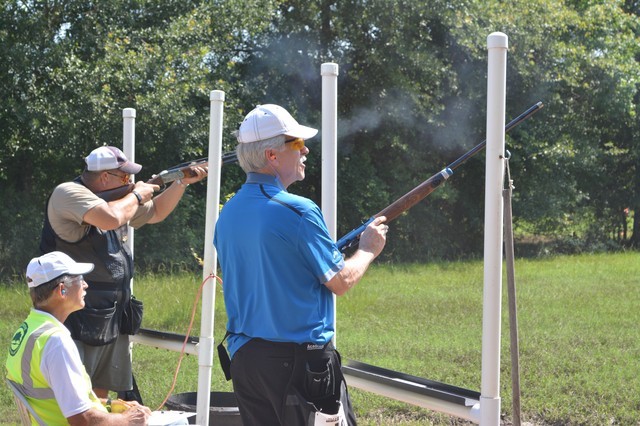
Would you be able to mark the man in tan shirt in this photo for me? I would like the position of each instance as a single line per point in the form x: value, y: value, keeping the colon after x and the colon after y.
x: 90, y: 229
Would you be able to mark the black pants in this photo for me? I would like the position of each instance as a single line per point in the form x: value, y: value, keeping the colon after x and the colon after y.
x: 285, y: 383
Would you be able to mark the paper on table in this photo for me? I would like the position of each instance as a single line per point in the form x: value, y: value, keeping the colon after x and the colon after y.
x: 165, y: 418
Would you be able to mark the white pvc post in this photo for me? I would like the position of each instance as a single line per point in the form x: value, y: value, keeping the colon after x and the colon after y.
x: 129, y: 149
x: 329, y: 72
x: 205, y: 347
x: 497, y: 44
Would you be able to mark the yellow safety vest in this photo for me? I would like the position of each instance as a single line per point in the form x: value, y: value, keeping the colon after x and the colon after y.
x: 23, y: 368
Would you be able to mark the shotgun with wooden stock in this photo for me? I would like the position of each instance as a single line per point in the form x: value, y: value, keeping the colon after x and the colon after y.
x: 182, y: 170
x: 421, y: 191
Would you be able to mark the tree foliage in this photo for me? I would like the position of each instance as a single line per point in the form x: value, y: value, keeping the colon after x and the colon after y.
x: 412, y: 98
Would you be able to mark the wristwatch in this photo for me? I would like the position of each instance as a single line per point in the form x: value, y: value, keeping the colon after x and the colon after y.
x: 138, y: 196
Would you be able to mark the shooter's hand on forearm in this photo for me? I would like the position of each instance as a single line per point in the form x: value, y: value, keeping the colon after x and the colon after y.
x: 198, y: 173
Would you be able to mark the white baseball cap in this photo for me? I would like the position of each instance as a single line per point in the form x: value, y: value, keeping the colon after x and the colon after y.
x: 269, y: 120
x: 109, y: 158
x: 53, y: 265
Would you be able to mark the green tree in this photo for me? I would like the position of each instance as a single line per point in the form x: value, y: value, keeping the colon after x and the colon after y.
x: 68, y: 70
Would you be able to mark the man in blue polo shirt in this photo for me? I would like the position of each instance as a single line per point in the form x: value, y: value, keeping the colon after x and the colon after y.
x: 280, y: 269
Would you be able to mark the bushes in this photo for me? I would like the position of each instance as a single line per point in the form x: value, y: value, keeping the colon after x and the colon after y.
x: 21, y: 221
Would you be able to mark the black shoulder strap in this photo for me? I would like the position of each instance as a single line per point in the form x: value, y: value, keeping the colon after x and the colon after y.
x: 223, y: 355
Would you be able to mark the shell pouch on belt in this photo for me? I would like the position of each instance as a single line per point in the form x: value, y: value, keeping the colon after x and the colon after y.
x: 132, y: 317
x: 317, y: 394
x: 95, y: 327
x: 98, y: 323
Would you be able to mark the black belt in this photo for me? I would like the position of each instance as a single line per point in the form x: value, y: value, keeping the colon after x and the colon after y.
x: 307, y: 349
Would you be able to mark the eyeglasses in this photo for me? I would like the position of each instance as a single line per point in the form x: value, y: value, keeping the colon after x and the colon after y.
x: 72, y: 280
x: 295, y: 144
x: 123, y: 178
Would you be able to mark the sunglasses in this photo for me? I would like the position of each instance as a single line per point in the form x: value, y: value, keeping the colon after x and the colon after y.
x: 295, y: 144
x: 123, y: 178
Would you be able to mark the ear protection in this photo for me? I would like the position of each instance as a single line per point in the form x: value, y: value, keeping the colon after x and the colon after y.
x: 63, y: 291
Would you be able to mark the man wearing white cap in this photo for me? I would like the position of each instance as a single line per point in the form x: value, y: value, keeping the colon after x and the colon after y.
x: 280, y: 269
x: 43, y: 362
x: 90, y: 229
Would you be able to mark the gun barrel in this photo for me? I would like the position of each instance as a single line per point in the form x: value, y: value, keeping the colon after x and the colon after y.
x: 184, y: 169
x: 513, y: 123
x: 230, y: 158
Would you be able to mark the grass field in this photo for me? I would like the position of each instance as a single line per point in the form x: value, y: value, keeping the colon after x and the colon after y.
x: 578, y: 324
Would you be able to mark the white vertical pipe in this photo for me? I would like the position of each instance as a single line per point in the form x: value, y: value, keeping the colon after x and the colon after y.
x: 129, y: 149
x: 497, y: 44
x: 205, y: 349
x: 329, y: 72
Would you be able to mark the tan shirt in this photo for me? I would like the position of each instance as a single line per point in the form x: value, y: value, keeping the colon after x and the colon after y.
x: 69, y: 203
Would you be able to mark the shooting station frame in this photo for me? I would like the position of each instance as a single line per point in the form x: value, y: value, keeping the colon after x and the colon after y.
x: 479, y: 407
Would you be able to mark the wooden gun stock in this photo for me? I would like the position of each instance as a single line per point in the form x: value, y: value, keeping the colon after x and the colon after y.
x: 417, y: 194
x: 395, y: 209
x: 414, y: 196
x: 115, y: 193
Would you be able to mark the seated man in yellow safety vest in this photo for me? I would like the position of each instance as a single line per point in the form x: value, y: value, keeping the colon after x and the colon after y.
x: 44, y: 363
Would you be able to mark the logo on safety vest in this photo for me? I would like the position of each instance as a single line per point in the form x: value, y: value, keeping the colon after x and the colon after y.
x: 18, y: 338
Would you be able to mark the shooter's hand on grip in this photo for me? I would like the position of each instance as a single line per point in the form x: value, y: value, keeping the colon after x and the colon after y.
x: 374, y: 237
x: 372, y: 241
x: 145, y: 190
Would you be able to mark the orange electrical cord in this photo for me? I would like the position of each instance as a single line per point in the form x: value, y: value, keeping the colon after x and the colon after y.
x: 186, y: 338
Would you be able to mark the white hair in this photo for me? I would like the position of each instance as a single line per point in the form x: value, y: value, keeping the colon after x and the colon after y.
x: 251, y: 155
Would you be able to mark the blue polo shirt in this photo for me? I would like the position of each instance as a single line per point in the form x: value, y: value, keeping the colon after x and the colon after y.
x: 276, y: 255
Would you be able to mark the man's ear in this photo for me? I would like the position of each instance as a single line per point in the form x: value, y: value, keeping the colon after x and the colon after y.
x: 271, y: 155
x: 103, y: 178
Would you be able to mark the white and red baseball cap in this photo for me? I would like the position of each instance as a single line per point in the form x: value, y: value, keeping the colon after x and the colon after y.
x: 53, y: 265
x: 109, y: 158
x: 269, y: 120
